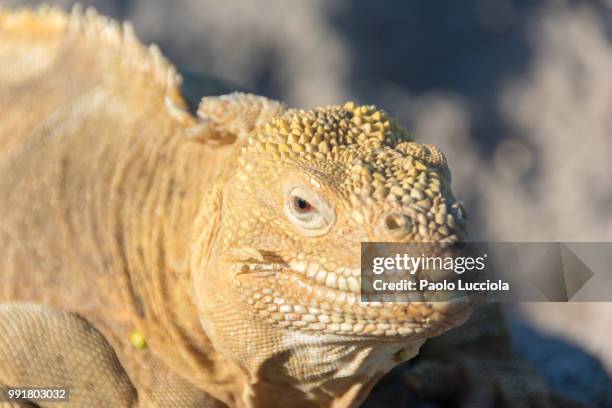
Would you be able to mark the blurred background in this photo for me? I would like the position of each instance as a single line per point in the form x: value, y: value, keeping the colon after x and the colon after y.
x: 518, y: 94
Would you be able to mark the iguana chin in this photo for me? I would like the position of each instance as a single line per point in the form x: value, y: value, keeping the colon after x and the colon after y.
x: 151, y: 257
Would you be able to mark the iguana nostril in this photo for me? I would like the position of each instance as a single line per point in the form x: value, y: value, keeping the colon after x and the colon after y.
x: 397, y: 224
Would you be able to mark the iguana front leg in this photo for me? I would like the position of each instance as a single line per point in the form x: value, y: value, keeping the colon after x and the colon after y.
x: 45, y: 347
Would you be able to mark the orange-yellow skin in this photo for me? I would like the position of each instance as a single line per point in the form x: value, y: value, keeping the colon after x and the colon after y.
x: 168, y: 232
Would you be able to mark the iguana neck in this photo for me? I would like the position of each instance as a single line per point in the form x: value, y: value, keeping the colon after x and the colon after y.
x: 158, y: 190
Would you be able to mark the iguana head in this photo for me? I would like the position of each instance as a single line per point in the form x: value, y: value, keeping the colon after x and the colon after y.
x: 298, y: 198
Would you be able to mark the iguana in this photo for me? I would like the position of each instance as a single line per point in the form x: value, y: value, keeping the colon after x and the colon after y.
x: 154, y: 257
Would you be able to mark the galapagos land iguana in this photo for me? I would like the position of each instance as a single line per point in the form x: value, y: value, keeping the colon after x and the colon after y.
x: 154, y: 257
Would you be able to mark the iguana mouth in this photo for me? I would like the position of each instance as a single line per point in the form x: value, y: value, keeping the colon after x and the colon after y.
x: 344, y: 279
x: 304, y: 295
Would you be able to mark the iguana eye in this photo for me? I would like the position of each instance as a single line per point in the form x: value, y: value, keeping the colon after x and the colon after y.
x: 302, y: 205
x: 308, y: 212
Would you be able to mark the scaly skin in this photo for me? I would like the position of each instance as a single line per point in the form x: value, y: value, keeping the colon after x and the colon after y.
x: 297, y: 286
x: 224, y: 245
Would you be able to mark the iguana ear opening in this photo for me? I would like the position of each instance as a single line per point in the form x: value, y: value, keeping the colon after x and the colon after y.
x: 227, y: 118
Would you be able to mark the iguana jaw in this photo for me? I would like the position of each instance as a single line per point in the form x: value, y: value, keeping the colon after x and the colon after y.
x: 303, y: 295
x: 335, y: 346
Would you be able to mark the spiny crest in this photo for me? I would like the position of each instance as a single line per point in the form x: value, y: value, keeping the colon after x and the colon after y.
x: 105, y: 33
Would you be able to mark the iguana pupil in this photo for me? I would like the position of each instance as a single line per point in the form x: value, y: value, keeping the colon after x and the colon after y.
x: 302, y: 205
